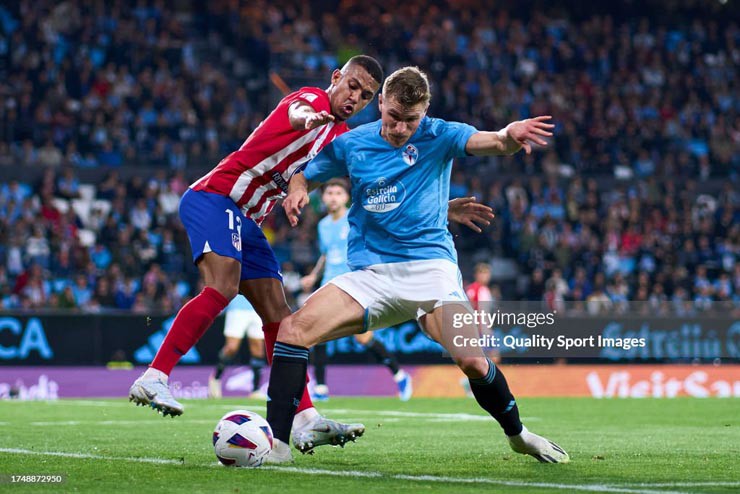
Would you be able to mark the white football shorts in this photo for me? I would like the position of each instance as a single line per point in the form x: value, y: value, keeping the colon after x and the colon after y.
x: 243, y: 322
x: 397, y: 292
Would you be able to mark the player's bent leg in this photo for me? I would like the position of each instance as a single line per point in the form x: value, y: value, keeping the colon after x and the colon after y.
x: 319, y: 359
x: 490, y: 389
x: 221, y: 275
x: 329, y: 314
x: 225, y: 357
x: 257, y: 362
x: 267, y: 296
x: 378, y: 350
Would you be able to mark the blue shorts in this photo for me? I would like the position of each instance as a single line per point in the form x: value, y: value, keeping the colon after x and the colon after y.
x: 215, y: 224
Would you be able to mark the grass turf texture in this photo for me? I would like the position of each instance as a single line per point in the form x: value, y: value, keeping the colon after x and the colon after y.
x: 651, y: 446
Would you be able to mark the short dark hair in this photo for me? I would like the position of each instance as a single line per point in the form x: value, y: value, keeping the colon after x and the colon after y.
x: 409, y: 86
x: 336, y: 182
x: 368, y: 63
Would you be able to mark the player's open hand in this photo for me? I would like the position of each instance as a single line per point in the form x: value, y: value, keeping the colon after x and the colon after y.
x: 318, y: 119
x: 532, y: 130
x: 466, y: 211
x: 293, y: 204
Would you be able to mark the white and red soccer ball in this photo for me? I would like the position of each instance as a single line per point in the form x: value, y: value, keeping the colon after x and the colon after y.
x: 242, y: 439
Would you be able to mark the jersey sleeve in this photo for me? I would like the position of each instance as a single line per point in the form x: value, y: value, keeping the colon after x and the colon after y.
x: 329, y: 163
x: 457, y: 134
x: 316, y: 98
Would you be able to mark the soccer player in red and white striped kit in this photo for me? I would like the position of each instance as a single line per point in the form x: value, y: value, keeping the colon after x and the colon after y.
x: 222, y: 212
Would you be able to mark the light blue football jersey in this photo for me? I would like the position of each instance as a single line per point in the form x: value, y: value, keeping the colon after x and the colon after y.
x: 399, y: 195
x: 333, y: 236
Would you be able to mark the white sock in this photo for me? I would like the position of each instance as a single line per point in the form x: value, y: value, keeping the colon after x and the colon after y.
x: 152, y: 374
x: 399, y: 375
x: 304, y: 418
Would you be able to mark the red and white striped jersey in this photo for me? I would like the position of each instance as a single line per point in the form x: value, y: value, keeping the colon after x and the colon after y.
x: 479, y: 295
x: 257, y: 175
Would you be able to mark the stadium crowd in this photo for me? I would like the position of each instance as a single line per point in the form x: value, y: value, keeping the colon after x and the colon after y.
x: 103, y: 84
x: 120, y: 244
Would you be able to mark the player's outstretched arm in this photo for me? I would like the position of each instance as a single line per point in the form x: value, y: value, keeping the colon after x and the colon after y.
x: 512, y: 138
x: 297, y: 197
x: 466, y: 211
x: 303, y: 117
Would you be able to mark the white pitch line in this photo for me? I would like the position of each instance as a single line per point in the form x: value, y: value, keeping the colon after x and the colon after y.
x: 87, y: 403
x: 390, y: 413
x: 400, y: 413
x: 87, y: 456
x: 52, y: 423
x: 464, y: 480
x: 359, y: 474
x: 684, y: 484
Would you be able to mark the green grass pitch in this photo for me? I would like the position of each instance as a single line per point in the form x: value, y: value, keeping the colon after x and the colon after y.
x: 425, y: 445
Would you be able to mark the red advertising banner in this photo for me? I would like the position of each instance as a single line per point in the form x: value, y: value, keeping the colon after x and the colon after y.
x: 598, y: 381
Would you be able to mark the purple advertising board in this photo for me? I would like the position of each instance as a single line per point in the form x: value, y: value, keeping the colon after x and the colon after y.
x: 49, y: 383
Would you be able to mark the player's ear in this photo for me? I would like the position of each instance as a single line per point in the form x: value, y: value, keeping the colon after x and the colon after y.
x: 380, y: 101
x: 336, y: 76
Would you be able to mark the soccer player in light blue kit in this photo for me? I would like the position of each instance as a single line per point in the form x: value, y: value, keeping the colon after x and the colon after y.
x: 333, y: 231
x: 403, y: 260
x: 240, y: 321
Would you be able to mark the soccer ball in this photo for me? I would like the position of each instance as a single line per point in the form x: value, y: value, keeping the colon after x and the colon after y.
x: 242, y: 439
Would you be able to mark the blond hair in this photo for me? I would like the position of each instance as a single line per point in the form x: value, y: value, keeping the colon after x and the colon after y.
x: 409, y: 86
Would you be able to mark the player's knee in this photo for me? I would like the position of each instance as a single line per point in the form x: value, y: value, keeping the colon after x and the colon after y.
x: 228, y: 290
x: 276, y: 306
x: 473, y: 367
x: 230, y: 350
x: 290, y: 332
x: 257, y: 348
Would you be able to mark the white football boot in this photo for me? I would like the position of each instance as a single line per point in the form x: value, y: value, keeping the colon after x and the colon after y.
x: 544, y: 450
x: 156, y: 394
x: 321, y: 431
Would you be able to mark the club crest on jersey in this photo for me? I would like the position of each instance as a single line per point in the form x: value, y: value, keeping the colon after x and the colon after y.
x: 410, y: 154
x: 236, y: 241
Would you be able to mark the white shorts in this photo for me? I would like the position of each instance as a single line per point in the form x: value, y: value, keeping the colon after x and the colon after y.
x: 243, y: 322
x: 397, y: 292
